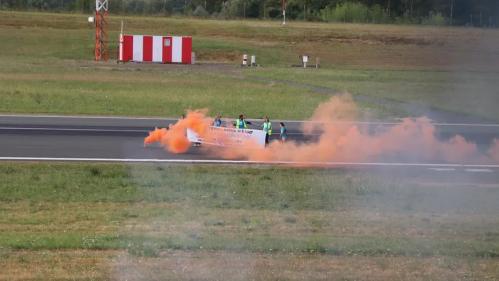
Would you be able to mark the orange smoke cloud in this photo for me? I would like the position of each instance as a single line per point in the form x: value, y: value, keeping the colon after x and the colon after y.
x: 412, y: 139
x: 155, y: 136
x: 175, y: 139
x: 494, y: 151
x: 339, y: 140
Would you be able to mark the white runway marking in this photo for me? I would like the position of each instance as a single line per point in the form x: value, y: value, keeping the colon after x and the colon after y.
x: 97, y: 130
x: 84, y: 117
x: 395, y: 123
x: 71, y: 129
x: 258, y: 120
x: 479, y: 170
x: 442, y: 169
x: 216, y: 161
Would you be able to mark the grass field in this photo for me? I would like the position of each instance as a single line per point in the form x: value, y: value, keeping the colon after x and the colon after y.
x: 47, y: 68
x: 150, y: 222
x: 181, y: 222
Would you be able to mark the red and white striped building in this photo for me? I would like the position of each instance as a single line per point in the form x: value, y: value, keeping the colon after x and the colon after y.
x: 159, y: 49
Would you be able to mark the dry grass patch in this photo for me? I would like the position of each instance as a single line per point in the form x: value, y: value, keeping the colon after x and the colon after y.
x: 56, y: 265
x: 219, y: 265
x: 180, y: 265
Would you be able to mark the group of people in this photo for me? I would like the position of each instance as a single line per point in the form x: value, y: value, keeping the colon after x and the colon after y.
x: 242, y: 123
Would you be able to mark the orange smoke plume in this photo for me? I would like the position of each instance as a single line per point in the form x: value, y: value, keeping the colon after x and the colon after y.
x: 494, y: 151
x: 175, y: 139
x: 155, y: 136
x: 339, y: 140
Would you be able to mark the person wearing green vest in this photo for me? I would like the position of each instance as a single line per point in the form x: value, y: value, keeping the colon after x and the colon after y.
x: 241, y: 123
x: 267, y: 128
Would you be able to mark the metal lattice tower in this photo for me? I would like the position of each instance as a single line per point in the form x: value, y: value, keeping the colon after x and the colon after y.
x: 101, y: 52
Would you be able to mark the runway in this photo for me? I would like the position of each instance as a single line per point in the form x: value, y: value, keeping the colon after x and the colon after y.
x: 120, y: 139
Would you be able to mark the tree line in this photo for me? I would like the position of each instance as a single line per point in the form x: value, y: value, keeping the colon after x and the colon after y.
x: 482, y: 13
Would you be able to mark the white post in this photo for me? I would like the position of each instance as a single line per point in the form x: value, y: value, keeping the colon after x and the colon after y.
x: 253, y: 60
x: 245, y: 60
x: 121, y: 43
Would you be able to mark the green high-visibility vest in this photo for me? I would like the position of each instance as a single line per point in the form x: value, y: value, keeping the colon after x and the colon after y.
x: 241, y: 124
x: 267, y: 127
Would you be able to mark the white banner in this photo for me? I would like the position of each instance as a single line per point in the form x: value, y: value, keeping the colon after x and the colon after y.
x: 229, y: 136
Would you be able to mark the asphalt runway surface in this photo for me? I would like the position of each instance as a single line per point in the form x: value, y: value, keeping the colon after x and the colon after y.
x: 120, y: 139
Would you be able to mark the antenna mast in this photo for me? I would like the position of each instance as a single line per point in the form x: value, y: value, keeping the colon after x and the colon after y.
x: 101, y: 8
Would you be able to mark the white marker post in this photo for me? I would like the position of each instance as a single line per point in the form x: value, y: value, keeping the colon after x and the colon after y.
x: 245, y: 60
x: 121, y: 43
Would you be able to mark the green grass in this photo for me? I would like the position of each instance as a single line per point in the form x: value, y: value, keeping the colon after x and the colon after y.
x: 167, y: 93
x: 249, y: 209
x: 79, y: 219
x: 47, y: 68
x: 223, y: 187
x: 141, y: 245
x: 438, y: 89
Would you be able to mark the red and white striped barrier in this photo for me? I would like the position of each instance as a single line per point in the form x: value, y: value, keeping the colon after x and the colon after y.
x: 160, y: 49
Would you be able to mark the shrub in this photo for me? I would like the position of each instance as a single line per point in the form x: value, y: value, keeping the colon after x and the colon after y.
x: 435, y: 19
x: 354, y: 12
x: 200, y: 12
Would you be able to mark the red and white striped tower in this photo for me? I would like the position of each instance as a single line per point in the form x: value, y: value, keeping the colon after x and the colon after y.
x: 101, y: 7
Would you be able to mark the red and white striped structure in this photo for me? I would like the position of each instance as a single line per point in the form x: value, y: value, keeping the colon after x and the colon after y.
x: 160, y: 49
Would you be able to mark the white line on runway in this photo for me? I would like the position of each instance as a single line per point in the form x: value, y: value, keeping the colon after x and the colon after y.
x: 260, y: 120
x: 217, y: 161
x: 439, y: 124
x: 93, y: 130
x: 70, y: 129
x: 479, y: 170
x: 442, y: 169
x: 83, y: 117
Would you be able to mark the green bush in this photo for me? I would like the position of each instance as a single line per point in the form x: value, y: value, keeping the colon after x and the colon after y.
x: 435, y: 19
x: 354, y: 12
x: 200, y: 12
x: 378, y: 15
